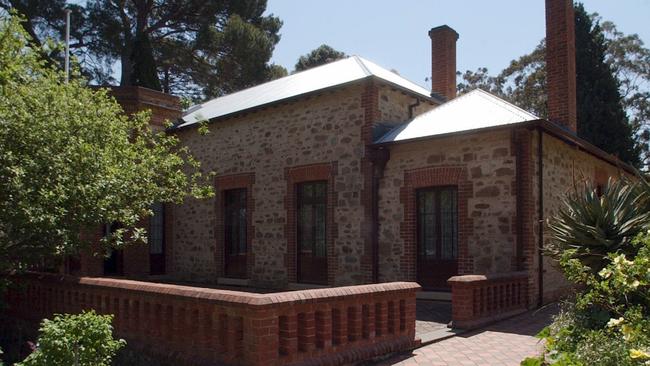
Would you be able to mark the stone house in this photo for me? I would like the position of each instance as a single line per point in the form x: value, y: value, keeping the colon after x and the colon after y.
x: 348, y: 173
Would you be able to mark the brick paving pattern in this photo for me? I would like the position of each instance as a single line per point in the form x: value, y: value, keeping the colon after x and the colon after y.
x: 503, y: 344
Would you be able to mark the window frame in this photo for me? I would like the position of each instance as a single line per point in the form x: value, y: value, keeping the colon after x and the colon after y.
x: 438, y: 223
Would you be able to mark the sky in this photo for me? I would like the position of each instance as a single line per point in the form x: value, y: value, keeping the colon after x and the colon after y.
x: 393, y: 34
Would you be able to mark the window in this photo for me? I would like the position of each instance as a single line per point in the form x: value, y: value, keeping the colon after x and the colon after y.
x: 235, y: 224
x: 157, y: 229
x: 312, y: 212
x: 438, y: 223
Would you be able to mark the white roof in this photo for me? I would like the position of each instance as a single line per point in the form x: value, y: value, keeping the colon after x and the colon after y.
x: 474, y: 110
x: 335, y: 73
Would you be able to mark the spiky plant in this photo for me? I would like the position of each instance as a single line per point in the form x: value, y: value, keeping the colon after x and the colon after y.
x: 594, y: 225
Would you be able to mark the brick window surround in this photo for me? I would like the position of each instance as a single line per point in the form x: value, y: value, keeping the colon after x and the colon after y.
x: 222, y: 184
x: 294, y: 176
x: 432, y: 177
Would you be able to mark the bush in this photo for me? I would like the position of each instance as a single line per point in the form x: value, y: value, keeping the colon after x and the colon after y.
x: 602, y: 243
x: 592, y: 225
x: 85, y: 339
x: 608, y: 322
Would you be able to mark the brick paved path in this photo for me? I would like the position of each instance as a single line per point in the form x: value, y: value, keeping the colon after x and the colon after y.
x: 505, y: 343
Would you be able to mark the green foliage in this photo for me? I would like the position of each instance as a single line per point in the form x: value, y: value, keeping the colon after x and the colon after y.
x: 603, y: 245
x: 71, y: 161
x: 601, y: 115
x: 85, y: 339
x: 613, y: 81
x: 590, y: 225
x: 198, y: 48
x: 320, y: 56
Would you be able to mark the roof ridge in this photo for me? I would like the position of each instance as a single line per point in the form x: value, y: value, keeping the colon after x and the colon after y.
x: 289, y: 76
x: 515, y: 109
x: 361, y: 64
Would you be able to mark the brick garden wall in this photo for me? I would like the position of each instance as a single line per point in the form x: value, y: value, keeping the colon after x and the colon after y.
x: 199, y: 326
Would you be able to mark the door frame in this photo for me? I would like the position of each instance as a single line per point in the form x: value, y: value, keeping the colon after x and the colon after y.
x: 321, y: 280
x: 223, y: 183
x: 430, y: 177
x: 226, y: 256
x: 438, y: 240
x: 294, y: 176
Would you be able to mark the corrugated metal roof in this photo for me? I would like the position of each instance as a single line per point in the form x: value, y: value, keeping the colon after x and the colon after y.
x: 474, y: 110
x: 326, y: 76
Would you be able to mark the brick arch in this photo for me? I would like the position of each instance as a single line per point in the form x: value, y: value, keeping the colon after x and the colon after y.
x: 431, y: 177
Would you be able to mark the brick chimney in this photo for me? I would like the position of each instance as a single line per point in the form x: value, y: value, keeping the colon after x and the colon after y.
x: 136, y: 98
x: 561, y: 63
x: 443, y: 61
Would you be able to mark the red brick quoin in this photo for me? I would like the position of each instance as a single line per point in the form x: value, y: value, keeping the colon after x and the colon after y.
x: 431, y: 177
x: 310, y: 173
x: 222, y: 184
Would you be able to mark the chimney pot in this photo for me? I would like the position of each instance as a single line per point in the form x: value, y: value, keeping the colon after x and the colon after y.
x: 443, y: 61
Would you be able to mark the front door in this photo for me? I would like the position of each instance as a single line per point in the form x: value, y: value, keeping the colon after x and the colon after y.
x: 312, y: 237
x: 437, y: 237
x: 236, y: 236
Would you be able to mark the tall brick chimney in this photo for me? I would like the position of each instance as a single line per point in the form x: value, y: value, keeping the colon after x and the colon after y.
x: 443, y: 61
x: 561, y: 63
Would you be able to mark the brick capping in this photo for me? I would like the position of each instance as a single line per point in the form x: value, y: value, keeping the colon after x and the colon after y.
x: 480, y: 299
x: 430, y: 177
x: 203, y: 326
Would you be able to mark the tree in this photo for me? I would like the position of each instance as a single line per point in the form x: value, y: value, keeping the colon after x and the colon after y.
x: 84, y: 339
x: 319, y: 56
x: 613, y: 79
x: 70, y: 160
x: 193, y: 48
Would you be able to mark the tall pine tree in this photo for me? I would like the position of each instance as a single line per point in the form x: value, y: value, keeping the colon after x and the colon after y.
x: 601, y: 67
x: 601, y: 117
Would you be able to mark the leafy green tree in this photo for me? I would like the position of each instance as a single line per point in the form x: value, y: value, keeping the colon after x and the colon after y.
x: 319, y: 56
x: 601, y: 115
x: 85, y: 339
x: 70, y: 160
x: 197, y: 48
x: 613, y: 81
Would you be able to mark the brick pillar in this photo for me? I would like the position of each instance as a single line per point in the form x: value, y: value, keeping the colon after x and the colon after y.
x: 163, y: 107
x: 443, y: 61
x: 561, y: 63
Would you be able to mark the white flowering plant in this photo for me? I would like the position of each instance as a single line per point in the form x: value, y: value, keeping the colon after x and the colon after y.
x: 608, y: 320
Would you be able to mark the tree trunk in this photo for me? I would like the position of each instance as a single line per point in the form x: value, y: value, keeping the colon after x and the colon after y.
x: 127, y: 66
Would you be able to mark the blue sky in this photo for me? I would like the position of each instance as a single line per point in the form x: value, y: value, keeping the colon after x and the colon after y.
x: 394, y: 33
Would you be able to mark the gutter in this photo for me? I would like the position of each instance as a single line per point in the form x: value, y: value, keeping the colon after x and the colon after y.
x: 549, y: 127
x: 380, y: 157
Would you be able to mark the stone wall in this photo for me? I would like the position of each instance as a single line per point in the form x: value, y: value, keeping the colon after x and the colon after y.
x: 394, y: 105
x: 565, y: 168
x: 324, y: 129
x: 489, y: 165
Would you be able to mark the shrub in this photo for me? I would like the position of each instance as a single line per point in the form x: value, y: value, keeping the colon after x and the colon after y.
x: 602, y: 243
x: 85, y: 339
x: 608, y: 322
x: 591, y: 225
